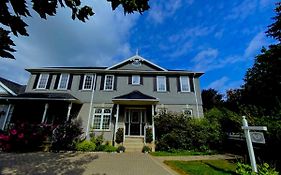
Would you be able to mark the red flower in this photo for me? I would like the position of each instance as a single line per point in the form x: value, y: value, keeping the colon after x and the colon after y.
x: 4, y: 137
x: 13, y: 132
x: 21, y: 135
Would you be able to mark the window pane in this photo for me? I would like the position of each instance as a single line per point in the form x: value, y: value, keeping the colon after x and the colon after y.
x: 98, y: 110
x: 161, y: 83
x: 107, y: 111
x: 184, y: 83
x: 88, y: 82
x: 43, y: 81
x: 109, y: 82
x: 106, y: 122
x: 63, y: 81
x: 97, y: 121
x: 135, y: 79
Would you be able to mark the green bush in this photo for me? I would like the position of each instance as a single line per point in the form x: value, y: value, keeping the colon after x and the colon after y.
x: 146, y: 149
x: 100, y: 148
x: 110, y: 148
x: 119, y: 135
x: 264, y: 169
x: 148, y: 135
x: 97, y: 140
x: 85, y: 146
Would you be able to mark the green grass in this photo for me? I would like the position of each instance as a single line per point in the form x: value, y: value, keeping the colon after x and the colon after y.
x: 180, y: 153
x: 206, y: 167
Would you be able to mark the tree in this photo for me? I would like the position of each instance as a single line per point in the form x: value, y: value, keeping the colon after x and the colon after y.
x: 13, y: 20
x: 211, y: 98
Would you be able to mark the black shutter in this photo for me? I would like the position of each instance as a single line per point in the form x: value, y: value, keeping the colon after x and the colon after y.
x: 141, y: 79
x: 154, y: 84
x: 167, y: 84
x: 49, y: 81
x: 130, y: 79
x: 178, y: 84
x: 57, y: 81
x: 95, y: 81
x: 115, y: 83
x: 191, y: 84
x: 81, y: 81
x: 70, y: 81
x: 102, y: 82
x: 36, y: 81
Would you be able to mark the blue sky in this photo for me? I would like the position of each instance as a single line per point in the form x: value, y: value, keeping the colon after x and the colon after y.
x: 219, y: 38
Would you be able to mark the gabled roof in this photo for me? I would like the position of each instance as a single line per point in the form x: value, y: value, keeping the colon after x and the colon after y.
x: 137, y: 95
x: 11, y: 87
x: 132, y: 59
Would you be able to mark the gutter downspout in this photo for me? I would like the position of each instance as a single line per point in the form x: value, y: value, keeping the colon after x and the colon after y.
x: 90, y: 111
x: 195, y: 91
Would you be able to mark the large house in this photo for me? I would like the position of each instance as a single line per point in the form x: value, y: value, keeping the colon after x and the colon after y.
x: 126, y: 95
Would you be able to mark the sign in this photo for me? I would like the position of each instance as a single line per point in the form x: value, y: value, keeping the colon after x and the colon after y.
x: 257, y: 137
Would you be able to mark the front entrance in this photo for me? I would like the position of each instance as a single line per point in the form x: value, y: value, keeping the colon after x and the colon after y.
x: 135, y: 119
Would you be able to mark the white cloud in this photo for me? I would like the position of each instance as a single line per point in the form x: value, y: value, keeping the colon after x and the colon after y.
x: 255, y: 44
x: 242, y: 10
x: 224, y: 83
x: 60, y: 41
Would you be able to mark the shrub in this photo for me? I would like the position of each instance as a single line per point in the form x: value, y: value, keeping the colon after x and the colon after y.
x: 146, y: 149
x: 264, y: 169
x: 97, y: 140
x: 121, y: 149
x: 85, y: 146
x: 119, y: 135
x: 100, y: 148
x: 110, y: 148
x: 65, y: 135
x: 148, y: 135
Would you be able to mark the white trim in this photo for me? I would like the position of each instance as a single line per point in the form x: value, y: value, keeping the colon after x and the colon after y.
x: 91, y: 107
x: 195, y: 92
x: 6, y: 116
x: 187, y: 109
x: 104, y: 84
x: 39, y: 79
x: 102, y: 116
x: 7, y: 89
x: 45, y: 113
x: 92, y: 82
x: 156, y: 100
x: 135, y: 57
x: 157, y: 83
x: 139, y: 80
x: 181, y: 78
x: 67, y: 81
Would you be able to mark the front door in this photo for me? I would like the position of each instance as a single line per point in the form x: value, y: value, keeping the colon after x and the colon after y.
x: 134, y: 121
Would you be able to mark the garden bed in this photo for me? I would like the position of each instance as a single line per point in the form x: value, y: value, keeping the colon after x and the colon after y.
x: 181, y: 153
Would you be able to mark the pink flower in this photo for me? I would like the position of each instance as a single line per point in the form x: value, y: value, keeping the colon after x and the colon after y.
x: 13, y: 132
x: 21, y: 135
x: 4, y: 137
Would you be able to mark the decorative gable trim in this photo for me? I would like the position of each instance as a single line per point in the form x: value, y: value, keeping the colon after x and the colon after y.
x: 133, y: 58
x: 7, y: 89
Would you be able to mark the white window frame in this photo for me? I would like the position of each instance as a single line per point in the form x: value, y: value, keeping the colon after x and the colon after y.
x: 40, y: 78
x: 158, y: 83
x: 102, y: 116
x: 138, y: 78
x: 67, y: 81
x: 92, y: 82
x: 181, y: 83
x: 188, y: 109
x: 112, y: 85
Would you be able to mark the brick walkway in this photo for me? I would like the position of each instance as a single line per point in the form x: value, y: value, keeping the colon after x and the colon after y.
x: 81, y: 163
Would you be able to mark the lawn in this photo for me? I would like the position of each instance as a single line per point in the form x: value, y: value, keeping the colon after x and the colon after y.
x: 181, y: 153
x: 206, y: 167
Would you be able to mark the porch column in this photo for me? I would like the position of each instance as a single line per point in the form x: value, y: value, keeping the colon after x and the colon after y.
x: 117, y: 116
x: 68, y: 111
x: 153, y: 129
x: 45, y: 112
x: 6, y: 116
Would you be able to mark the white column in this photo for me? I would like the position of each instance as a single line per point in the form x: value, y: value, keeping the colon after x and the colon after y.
x: 45, y: 112
x: 68, y: 111
x: 196, y: 100
x: 117, y: 117
x: 91, y: 108
x: 153, y: 129
x: 6, y: 116
x: 249, y: 145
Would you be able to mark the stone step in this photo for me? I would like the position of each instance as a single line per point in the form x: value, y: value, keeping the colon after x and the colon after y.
x: 134, y: 144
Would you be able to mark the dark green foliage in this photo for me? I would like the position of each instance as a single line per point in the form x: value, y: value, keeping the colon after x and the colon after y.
x: 13, y: 20
x: 65, y: 135
x: 274, y: 29
x: 121, y: 149
x: 110, y: 148
x: 97, y: 140
x: 119, y: 135
x: 146, y: 149
x: 148, y: 135
x: 264, y: 169
x: 211, y: 98
x: 85, y: 146
x: 176, y: 131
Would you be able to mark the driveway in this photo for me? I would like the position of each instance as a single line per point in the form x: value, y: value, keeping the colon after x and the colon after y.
x: 81, y: 163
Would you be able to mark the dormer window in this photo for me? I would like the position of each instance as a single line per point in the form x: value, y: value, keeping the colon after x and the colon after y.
x: 136, y: 62
x: 42, y: 82
x: 64, y: 78
x: 135, y: 79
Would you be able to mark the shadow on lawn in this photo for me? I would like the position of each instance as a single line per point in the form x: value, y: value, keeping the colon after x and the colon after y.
x: 45, y: 163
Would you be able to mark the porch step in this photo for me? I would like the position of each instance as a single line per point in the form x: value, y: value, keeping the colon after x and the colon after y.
x: 133, y: 144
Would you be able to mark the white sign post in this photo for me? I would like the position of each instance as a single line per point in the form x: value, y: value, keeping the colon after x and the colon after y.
x: 247, y: 129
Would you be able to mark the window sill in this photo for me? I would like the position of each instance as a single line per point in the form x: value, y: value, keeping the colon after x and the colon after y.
x: 184, y: 92
x: 102, y: 130
x: 108, y: 90
x: 62, y: 89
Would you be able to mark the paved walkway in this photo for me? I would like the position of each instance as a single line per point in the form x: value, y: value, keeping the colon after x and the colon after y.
x: 81, y: 163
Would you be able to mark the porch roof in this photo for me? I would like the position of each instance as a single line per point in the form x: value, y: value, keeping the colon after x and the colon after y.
x: 45, y: 97
x: 135, y: 97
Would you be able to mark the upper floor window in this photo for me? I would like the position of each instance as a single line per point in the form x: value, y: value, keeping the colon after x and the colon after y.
x: 101, y: 118
x: 184, y: 84
x: 64, y: 78
x: 88, y: 81
x: 135, y: 79
x: 187, y: 112
x: 42, y: 82
x: 108, y: 83
x: 161, y: 83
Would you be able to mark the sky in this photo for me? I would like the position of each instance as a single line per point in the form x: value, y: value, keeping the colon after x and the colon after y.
x: 220, y: 38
